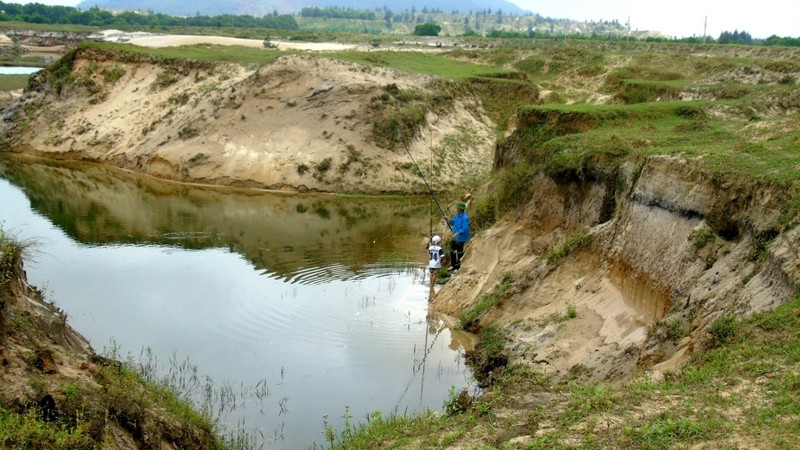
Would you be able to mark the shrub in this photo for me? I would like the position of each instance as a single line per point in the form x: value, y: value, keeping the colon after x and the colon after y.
x: 427, y: 29
x: 483, y: 212
x: 701, y: 238
x: 323, y: 166
x: 571, y: 312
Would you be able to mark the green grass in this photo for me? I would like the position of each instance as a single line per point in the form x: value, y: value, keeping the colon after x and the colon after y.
x: 565, y: 248
x: 469, y: 318
x: 419, y: 63
x: 12, y: 251
x: 572, y: 312
x: 11, y: 25
x: 578, y: 137
x: 412, y: 62
x: 28, y: 430
x: 201, y: 52
x: 13, y: 82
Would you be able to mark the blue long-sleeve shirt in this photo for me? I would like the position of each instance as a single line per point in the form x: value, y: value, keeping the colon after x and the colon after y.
x: 460, y: 224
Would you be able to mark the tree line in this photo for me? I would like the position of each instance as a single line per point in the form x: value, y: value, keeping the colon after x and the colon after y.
x: 67, y: 15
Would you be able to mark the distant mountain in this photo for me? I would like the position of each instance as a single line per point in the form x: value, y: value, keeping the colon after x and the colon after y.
x: 260, y: 8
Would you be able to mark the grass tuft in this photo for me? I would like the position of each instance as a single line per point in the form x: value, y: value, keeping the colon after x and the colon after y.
x: 577, y: 240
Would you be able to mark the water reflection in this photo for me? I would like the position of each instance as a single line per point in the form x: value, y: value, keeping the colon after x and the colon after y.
x: 302, y: 238
x: 301, y: 309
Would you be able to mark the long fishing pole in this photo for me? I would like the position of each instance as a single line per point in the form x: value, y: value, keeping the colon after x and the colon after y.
x: 433, y: 196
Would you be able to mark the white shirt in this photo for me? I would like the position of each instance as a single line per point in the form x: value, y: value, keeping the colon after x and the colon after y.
x: 435, y: 254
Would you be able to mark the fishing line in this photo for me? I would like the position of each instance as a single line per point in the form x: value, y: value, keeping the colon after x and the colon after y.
x: 416, y: 368
x: 430, y: 170
x: 433, y: 196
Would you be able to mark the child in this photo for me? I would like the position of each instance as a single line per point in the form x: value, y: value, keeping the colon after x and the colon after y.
x: 435, y: 254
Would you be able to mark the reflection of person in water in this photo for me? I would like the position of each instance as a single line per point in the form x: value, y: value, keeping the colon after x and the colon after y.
x: 460, y: 227
x: 435, y: 254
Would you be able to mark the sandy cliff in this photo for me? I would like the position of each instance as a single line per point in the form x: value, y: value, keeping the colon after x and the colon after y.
x: 677, y: 249
x: 301, y: 122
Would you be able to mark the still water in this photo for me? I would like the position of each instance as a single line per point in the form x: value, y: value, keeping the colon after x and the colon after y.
x: 17, y: 70
x: 307, y: 307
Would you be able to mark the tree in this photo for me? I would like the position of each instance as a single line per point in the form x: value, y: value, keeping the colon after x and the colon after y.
x: 737, y: 37
x: 427, y: 29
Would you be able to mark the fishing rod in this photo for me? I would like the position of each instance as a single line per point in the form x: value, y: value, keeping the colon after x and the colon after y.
x: 433, y: 196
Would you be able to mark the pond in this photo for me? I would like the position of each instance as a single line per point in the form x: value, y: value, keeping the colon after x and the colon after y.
x: 302, y: 309
x: 12, y: 70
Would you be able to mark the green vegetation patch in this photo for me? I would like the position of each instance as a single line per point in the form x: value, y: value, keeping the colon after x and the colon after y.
x: 200, y: 52
x: 11, y: 254
x: 469, y: 319
x: 644, y: 91
x: 651, y: 73
x: 572, y: 141
x: 29, y: 430
x: 13, y: 82
x: 502, y: 95
x: 565, y: 248
x: 398, y: 114
x: 420, y: 63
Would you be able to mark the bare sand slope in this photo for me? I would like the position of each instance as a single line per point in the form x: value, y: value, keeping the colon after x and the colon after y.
x: 174, y: 40
x: 300, y: 122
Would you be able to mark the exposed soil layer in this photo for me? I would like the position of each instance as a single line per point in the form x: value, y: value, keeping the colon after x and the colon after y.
x: 645, y: 289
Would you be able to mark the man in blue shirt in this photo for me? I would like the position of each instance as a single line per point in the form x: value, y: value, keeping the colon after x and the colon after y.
x: 460, y: 226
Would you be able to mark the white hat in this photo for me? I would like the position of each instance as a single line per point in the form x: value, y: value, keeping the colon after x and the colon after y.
x: 436, y: 239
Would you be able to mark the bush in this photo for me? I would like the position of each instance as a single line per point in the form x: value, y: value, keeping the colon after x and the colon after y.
x: 427, y: 29
x: 722, y: 330
x: 323, y: 166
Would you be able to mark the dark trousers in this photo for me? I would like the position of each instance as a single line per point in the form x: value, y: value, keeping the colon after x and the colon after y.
x: 456, y: 252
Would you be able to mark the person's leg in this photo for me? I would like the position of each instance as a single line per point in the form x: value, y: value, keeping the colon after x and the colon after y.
x: 456, y: 252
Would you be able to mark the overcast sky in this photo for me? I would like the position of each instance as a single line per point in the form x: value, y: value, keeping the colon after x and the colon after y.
x: 678, y: 18
x: 681, y: 18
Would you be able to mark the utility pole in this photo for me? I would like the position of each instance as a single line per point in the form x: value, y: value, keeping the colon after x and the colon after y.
x: 628, y: 37
x: 705, y: 25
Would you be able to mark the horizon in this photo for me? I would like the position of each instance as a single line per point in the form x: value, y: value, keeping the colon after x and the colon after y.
x: 772, y: 17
